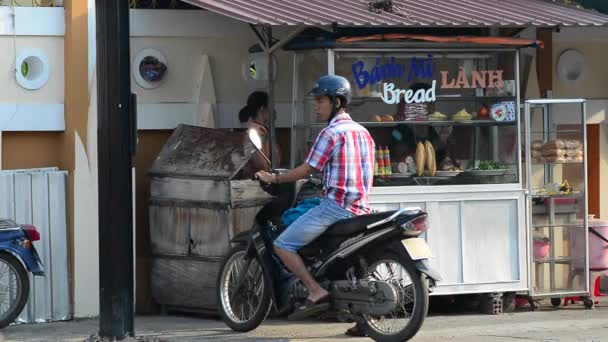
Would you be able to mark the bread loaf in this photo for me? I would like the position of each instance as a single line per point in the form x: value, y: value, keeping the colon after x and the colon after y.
x: 430, y: 163
x: 387, y: 118
x: 537, y: 144
x: 374, y: 118
x: 574, y: 159
x: 554, y: 144
x: 574, y: 153
x: 553, y: 152
x: 572, y: 144
x: 420, y: 159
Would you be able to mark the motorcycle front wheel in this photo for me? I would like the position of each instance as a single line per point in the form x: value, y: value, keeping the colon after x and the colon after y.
x: 14, y: 288
x: 413, y: 298
x: 243, y: 291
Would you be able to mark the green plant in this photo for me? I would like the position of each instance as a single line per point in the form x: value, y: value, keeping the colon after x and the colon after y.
x: 24, y: 68
x: 487, y: 165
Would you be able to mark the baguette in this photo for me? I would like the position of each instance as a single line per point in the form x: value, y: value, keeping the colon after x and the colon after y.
x: 430, y: 163
x: 420, y: 159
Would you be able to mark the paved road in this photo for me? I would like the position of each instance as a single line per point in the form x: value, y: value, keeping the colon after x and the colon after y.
x: 564, y: 324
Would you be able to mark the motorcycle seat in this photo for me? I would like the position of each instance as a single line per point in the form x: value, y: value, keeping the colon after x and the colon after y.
x: 356, y: 224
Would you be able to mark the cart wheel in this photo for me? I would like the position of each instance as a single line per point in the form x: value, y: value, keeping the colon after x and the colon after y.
x: 556, y: 302
x: 588, y: 303
x: 534, y: 305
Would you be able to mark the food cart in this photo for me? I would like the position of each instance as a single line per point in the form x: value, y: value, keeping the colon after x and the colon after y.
x: 448, y: 126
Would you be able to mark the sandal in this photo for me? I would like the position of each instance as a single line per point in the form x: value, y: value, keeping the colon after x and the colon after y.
x: 356, y: 331
x: 310, y: 308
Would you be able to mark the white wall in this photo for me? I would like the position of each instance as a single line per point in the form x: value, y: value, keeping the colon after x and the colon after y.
x: 31, y: 28
x: 183, y: 37
x: 86, y: 232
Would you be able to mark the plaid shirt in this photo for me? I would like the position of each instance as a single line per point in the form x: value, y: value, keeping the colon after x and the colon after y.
x: 345, y: 152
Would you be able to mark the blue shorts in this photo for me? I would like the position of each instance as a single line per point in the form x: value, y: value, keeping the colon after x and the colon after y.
x: 310, y: 225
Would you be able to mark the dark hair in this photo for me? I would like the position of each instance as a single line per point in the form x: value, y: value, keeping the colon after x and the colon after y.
x: 255, y: 101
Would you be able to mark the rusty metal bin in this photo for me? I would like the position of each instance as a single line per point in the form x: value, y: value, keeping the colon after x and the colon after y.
x: 200, y: 199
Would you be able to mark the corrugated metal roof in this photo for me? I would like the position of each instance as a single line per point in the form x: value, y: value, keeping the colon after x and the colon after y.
x: 427, y: 13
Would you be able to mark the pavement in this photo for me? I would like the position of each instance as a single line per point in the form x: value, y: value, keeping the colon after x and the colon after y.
x: 572, y: 323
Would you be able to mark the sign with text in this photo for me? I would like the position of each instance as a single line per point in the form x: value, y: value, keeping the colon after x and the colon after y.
x: 420, y: 68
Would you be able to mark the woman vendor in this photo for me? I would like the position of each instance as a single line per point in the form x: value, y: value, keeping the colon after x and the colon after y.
x: 256, y: 115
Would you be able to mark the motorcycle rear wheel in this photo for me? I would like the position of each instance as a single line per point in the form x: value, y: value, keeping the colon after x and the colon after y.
x: 14, y: 288
x: 413, y: 304
x: 246, y: 308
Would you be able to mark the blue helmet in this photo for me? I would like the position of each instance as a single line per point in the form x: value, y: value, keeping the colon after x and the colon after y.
x: 332, y: 86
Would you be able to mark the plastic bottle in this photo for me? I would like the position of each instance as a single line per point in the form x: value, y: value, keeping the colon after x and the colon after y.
x: 387, y: 161
x: 376, y: 166
x: 380, y: 158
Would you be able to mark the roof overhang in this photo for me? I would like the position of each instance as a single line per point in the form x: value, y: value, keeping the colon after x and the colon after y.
x: 406, y: 13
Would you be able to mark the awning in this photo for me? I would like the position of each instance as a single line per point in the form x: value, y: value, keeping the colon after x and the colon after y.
x: 453, y: 39
x: 412, y: 13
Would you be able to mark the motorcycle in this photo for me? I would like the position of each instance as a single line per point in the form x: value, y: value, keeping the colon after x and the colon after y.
x: 18, y: 256
x: 374, y: 266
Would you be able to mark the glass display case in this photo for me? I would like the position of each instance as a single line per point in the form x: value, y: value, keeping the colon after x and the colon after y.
x: 438, y: 117
x: 556, y: 180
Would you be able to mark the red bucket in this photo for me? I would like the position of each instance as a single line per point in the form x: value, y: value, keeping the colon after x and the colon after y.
x: 541, y: 249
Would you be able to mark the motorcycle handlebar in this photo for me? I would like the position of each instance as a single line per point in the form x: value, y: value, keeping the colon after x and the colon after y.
x: 316, y: 182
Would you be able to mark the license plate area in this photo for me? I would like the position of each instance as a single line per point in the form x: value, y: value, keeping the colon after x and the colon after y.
x: 417, y: 248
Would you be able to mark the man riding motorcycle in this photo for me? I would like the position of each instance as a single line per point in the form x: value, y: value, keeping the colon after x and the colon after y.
x: 344, y: 153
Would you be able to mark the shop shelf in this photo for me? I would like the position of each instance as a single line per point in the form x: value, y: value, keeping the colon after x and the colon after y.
x: 557, y: 131
x: 473, y: 123
x: 558, y: 260
x: 559, y: 208
x: 576, y: 194
x: 559, y: 292
x: 559, y: 225
x: 541, y: 209
x: 551, y: 163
